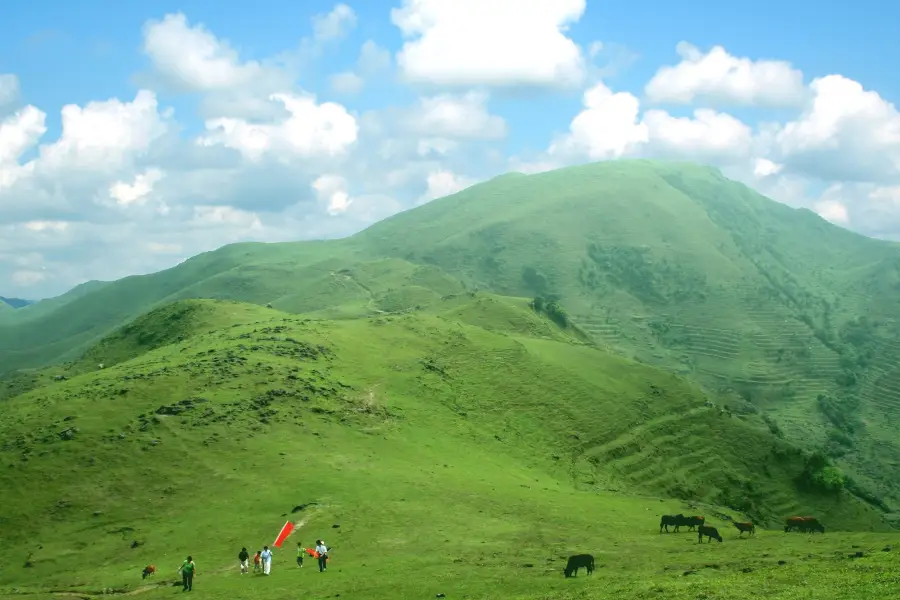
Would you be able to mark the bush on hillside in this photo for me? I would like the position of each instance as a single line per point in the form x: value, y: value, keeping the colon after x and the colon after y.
x: 820, y: 474
x: 551, y: 309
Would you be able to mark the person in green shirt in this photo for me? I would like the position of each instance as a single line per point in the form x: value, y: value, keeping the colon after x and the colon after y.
x: 187, y: 574
x: 300, y: 553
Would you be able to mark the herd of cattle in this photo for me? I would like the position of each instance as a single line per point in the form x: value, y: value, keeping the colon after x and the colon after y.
x: 802, y: 524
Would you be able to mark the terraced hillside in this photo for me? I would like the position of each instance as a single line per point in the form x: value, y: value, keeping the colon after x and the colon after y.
x: 465, y: 450
x: 769, y: 308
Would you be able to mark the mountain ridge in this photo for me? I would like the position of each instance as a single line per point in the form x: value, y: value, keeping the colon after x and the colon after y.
x: 667, y: 263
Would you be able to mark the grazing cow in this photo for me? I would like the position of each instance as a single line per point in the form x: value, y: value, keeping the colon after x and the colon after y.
x: 576, y: 562
x: 709, y: 532
x: 148, y: 570
x: 748, y: 527
x: 804, y: 525
x: 673, y: 520
x: 692, y: 522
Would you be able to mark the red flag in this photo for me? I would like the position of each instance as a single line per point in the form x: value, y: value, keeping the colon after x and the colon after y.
x: 285, y: 532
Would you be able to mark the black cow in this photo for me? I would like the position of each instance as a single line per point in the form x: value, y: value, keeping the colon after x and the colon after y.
x: 804, y: 524
x: 576, y: 562
x: 680, y: 520
x: 745, y: 527
x: 673, y: 520
x: 709, y: 532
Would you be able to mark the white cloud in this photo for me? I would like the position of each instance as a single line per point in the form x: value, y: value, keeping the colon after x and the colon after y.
x: 457, y: 117
x: 335, y: 24
x: 709, y: 136
x: 764, y: 167
x: 489, y: 42
x: 9, y: 89
x: 193, y: 59
x: 311, y: 129
x: 18, y: 133
x: 347, y: 82
x: 332, y: 191
x: 833, y: 211
x: 49, y: 226
x: 444, y: 183
x: 130, y: 193
x: 102, y: 136
x: 721, y: 78
x: 606, y: 128
x: 28, y: 278
x: 845, y: 132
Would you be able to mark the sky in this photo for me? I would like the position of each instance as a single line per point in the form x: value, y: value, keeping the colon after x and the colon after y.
x: 136, y: 135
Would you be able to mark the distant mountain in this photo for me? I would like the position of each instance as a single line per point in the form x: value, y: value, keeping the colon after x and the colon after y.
x: 16, y: 302
x: 671, y: 264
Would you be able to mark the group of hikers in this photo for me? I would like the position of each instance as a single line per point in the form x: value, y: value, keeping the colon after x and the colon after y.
x: 262, y: 560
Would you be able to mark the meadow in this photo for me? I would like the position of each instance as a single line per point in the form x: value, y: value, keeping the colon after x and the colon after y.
x: 397, y: 440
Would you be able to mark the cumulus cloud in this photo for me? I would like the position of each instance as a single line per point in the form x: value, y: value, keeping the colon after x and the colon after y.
x: 607, y: 128
x: 451, y: 116
x: 334, y: 25
x: 442, y: 183
x: 191, y: 58
x: 844, y: 132
x: 708, y: 136
x: 490, y: 42
x: 720, y: 78
x: 332, y: 191
x: 311, y: 129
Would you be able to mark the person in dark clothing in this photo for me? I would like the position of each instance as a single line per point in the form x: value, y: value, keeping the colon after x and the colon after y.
x: 244, y: 557
x: 187, y: 574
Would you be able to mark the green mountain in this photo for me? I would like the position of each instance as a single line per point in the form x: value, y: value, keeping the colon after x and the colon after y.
x: 623, y: 338
x: 465, y: 449
x: 667, y: 263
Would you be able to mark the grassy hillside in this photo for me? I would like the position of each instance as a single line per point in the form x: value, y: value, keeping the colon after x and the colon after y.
x: 433, y: 455
x: 671, y: 264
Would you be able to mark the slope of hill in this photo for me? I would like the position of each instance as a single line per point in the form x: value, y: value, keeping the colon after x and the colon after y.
x: 418, y: 445
x: 15, y: 302
x: 667, y: 263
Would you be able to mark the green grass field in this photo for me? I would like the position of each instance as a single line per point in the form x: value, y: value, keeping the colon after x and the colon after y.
x: 722, y: 355
x: 454, y: 459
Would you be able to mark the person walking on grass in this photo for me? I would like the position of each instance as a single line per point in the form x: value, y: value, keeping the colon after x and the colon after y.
x: 300, y: 552
x: 266, y: 560
x: 322, y: 551
x: 187, y: 574
x: 244, y: 557
x: 257, y: 560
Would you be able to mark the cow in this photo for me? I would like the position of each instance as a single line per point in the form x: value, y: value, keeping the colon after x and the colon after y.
x: 148, y: 570
x: 692, y: 522
x: 709, y: 532
x: 576, y: 562
x: 803, y: 524
x: 748, y: 527
x: 680, y: 520
x: 673, y: 520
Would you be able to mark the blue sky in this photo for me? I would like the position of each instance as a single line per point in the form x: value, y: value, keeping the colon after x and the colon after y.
x: 413, y: 130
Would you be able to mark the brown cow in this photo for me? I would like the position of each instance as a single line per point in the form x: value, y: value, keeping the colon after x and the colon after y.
x: 803, y: 524
x: 745, y: 527
x: 148, y: 570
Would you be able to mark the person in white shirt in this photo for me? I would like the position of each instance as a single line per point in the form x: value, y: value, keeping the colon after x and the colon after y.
x: 266, y: 560
x: 322, y: 551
